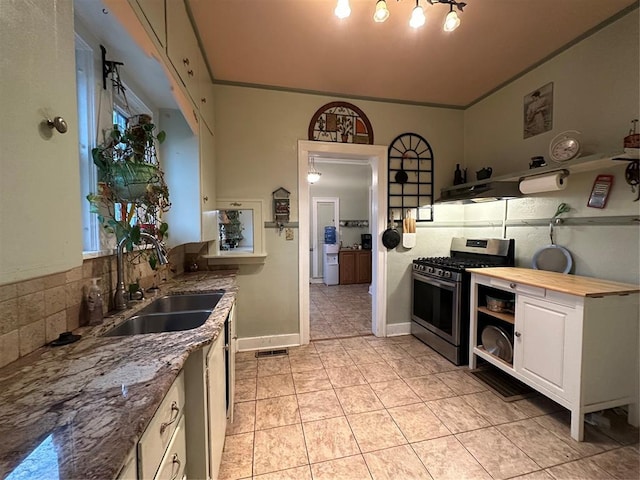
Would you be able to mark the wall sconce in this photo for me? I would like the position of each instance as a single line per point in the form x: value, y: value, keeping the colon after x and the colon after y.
x: 313, y: 175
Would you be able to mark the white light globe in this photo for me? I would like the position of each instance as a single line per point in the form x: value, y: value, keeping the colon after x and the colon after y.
x: 451, y: 22
x: 343, y: 10
x: 417, y: 17
x: 382, y: 12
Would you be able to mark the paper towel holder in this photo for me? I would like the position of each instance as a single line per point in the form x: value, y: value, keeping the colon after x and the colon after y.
x: 564, y: 173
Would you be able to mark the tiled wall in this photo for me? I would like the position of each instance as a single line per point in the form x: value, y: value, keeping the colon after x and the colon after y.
x: 34, y: 312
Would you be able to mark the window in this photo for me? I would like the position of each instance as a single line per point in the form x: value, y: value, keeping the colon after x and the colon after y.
x: 98, y: 110
x: 85, y: 79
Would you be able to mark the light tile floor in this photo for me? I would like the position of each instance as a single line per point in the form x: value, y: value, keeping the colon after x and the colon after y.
x: 371, y: 408
x: 339, y: 311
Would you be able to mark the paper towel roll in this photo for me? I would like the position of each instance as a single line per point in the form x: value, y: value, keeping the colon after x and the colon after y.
x: 544, y: 183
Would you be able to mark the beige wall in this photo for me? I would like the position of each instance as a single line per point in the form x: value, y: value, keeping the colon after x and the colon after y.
x: 349, y: 183
x: 256, y: 146
x: 596, y: 92
x: 595, y: 89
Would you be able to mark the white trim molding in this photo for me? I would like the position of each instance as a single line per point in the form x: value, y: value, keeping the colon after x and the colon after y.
x: 376, y: 157
x: 395, y: 329
x: 268, y: 342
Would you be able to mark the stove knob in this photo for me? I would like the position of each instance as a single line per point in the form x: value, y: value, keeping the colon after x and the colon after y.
x: 429, y: 269
x: 447, y: 274
x: 438, y: 271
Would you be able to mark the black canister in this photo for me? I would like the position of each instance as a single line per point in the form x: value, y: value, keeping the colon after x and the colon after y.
x: 366, y: 241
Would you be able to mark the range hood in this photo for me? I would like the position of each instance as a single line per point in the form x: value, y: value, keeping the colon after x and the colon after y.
x: 479, y: 192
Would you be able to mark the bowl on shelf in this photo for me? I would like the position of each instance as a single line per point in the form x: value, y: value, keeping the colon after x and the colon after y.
x: 499, y: 305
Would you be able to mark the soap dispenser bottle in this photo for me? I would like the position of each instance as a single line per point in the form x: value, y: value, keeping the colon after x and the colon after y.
x: 94, y: 303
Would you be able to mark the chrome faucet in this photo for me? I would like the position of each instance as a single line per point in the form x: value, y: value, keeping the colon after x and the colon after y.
x: 119, y: 301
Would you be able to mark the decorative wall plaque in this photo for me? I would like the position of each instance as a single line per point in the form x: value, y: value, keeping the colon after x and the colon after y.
x: 410, y: 178
x: 341, y: 122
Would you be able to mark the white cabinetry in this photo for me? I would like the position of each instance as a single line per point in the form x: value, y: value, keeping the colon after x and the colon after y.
x: 543, y: 326
x: 39, y: 174
x: 189, y: 164
x: 208, y: 388
x: 162, y: 447
x: 206, y: 99
x: 216, y: 403
x: 154, y: 12
x: 182, y: 48
x: 580, y: 350
x: 232, y: 345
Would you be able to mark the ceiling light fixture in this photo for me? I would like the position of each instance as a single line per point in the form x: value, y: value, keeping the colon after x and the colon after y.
x: 452, y: 21
x: 343, y: 10
x: 313, y: 175
x: 382, y: 12
x: 417, y: 16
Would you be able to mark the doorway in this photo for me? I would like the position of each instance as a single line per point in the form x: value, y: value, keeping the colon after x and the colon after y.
x: 376, y: 157
x: 325, y: 211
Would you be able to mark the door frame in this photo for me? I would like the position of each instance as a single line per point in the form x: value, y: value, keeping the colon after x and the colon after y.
x: 376, y: 157
x: 314, y: 224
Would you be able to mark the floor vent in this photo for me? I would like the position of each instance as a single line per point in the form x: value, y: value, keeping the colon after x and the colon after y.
x: 503, y: 384
x: 272, y: 353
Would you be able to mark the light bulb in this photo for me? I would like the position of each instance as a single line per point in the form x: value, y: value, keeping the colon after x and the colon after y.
x: 451, y: 22
x: 417, y: 17
x: 313, y: 177
x: 343, y: 10
x: 382, y: 12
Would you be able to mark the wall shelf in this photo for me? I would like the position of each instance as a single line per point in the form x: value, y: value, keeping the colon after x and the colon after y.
x: 587, y: 163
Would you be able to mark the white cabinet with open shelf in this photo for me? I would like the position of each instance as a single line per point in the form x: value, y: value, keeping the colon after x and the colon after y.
x: 580, y: 350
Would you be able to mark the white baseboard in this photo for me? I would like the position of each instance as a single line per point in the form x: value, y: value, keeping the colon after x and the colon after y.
x: 268, y: 342
x: 394, y: 329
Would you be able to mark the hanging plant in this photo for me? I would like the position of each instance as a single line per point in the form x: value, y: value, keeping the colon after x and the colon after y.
x: 132, y: 193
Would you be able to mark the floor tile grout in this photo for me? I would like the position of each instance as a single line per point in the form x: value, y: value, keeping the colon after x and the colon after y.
x: 530, y: 414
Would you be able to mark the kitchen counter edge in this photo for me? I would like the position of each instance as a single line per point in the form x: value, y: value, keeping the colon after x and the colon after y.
x: 559, y: 282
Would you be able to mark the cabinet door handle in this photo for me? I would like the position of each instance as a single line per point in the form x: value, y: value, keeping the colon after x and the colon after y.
x: 203, y: 100
x: 185, y: 61
x: 513, y: 285
x: 205, y: 199
x: 175, y: 460
x: 518, y: 334
x: 174, y: 408
x: 190, y: 73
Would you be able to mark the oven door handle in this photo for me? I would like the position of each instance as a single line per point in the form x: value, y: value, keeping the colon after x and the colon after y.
x: 435, y: 281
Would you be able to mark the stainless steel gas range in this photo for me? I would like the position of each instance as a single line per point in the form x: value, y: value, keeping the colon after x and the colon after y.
x: 440, y: 293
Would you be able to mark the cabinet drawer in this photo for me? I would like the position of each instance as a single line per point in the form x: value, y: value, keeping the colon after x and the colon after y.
x: 157, y: 436
x: 518, y: 287
x: 174, y: 462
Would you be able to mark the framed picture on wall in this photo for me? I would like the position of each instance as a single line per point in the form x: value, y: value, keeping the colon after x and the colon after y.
x: 538, y: 111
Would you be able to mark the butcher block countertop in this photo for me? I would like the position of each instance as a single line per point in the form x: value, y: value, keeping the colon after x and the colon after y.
x: 559, y: 282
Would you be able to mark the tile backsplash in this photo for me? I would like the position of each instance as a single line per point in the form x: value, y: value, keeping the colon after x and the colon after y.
x: 35, y: 312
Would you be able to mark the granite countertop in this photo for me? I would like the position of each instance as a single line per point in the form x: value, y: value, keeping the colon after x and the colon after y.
x: 77, y: 411
x: 559, y: 282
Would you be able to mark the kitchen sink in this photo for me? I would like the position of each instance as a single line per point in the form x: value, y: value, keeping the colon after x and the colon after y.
x: 171, y: 313
x: 160, y: 322
x: 183, y: 303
